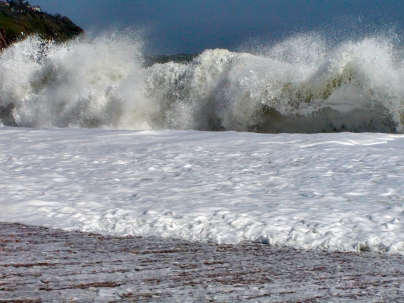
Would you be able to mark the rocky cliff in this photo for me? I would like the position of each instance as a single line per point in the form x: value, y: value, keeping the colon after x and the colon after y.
x: 15, y: 26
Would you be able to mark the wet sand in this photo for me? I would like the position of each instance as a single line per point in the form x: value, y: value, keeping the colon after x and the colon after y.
x: 46, y: 265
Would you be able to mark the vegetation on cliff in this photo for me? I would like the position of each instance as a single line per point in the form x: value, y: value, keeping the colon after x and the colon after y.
x: 15, y: 25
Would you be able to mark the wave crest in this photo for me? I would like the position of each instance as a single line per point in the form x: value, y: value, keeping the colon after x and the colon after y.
x: 299, y: 85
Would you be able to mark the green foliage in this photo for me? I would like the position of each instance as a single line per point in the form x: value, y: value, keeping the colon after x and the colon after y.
x: 46, y: 26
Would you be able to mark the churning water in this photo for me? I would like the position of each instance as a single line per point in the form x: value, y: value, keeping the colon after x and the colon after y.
x: 299, y: 85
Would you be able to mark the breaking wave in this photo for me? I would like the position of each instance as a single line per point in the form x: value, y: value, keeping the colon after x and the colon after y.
x: 298, y: 85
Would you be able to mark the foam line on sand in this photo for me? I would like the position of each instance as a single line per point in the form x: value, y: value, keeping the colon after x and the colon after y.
x: 39, y: 264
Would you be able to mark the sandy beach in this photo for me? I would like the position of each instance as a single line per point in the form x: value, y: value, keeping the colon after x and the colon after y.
x: 47, y: 265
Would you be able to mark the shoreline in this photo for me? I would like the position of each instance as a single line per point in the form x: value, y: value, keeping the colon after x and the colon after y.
x: 40, y: 264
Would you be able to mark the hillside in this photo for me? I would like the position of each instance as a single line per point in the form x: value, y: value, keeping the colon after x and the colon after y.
x: 15, y: 25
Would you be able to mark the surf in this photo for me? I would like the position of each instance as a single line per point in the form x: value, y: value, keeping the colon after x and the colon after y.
x: 302, y: 84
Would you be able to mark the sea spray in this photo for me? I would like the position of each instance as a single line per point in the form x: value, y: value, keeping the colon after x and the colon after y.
x: 299, y: 85
x: 73, y: 84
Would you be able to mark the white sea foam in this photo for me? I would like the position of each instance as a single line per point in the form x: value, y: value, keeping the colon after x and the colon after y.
x: 334, y: 191
x: 299, y: 85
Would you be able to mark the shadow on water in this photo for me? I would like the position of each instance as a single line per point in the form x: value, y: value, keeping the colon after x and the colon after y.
x: 162, y: 59
x: 7, y: 115
x: 326, y: 120
x: 269, y: 120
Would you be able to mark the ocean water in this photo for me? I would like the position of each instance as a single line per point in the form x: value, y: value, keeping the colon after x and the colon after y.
x: 337, y: 191
x: 100, y: 137
x: 304, y: 84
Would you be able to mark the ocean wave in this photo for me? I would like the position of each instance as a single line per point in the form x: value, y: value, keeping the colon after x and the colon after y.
x: 298, y: 85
